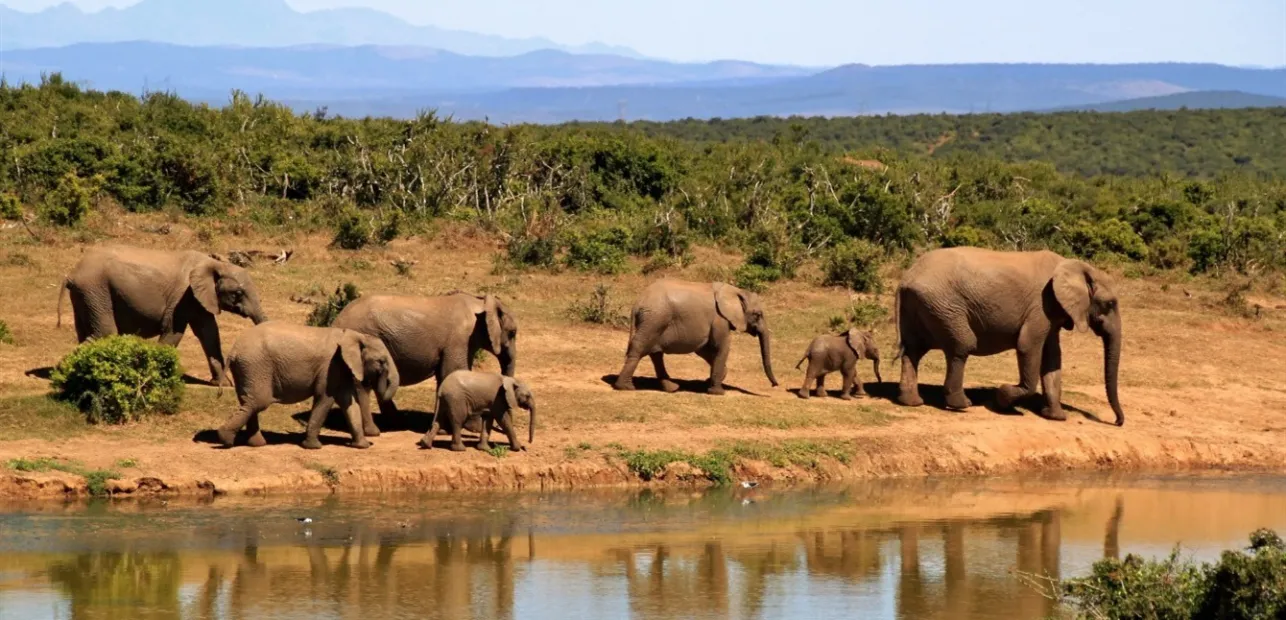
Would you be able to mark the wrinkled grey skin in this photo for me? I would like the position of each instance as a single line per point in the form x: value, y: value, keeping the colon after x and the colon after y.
x: 433, y: 337
x: 280, y: 363
x: 970, y: 301
x: 468, y: 394
x: 677, y: 317
x: 830, y: 352
x: 151, y: 293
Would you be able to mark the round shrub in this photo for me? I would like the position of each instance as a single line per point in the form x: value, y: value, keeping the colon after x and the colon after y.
x: 854, y: 264
x: 120, y: 379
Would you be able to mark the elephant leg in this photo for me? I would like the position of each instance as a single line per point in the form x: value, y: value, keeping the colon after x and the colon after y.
x: 426, y: 441
x: 809, y: 379
x: 254, y: 434
x: 1051, y: 378
x: 457, y: 427
x: 658, y: 362
x: 507, y: 424
x: 858, y: 388
x: 909, y: 388
x: 353, y: 414
x: 1029, y: 364
x: 955, y: 383
x: 718, y: 358
x: 172, y: 339
x: 369, y: 428
x: 207, y: 332
x: 249, y: 409
x: 846, y: 392
x: 820, y: 389
x: 625, y: 379
x: 484, y: 439
x: 316, y: 418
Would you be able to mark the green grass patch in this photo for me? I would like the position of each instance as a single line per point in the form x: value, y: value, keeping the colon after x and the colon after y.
x: 95, y: 479
x: 329, y: 474
x: 498, y: 451
x: 577, y: 451
x: 39, y: 417
x: 126, y: 463
x: 717, y: 464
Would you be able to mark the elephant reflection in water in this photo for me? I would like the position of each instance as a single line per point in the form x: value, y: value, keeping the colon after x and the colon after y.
x: 110, y: 585
x: 468, y: 572
x: 671, y: 587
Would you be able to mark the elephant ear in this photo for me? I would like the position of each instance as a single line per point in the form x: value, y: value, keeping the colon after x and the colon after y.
x: 507, y: 387
x: 730, y: 302
x: 204, y: 282
x: 856, y: 341
x: 350, y: 349
x: 1071, y: 282
x: 493, y: 309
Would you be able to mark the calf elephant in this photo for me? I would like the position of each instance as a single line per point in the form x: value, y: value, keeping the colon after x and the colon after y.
x: 149, y: 293
x: 433, y: 336
x: 830, y: 352
x: 970, y: 301
x: 674, y: 317
x: 465, y: 394
x: 281, y: 363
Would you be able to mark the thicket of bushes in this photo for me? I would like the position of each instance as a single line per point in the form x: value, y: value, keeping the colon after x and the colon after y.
x: 585, y: 196
x: 120, y: 379
x: 1243, y: 585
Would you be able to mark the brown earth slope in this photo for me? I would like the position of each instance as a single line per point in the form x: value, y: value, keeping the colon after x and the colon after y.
x: 1203, y: 387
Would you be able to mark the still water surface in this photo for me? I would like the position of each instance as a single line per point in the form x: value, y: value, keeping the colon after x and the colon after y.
x: 903, y: 549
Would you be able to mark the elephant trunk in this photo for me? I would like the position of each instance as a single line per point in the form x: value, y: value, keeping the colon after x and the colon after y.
x: 508, y: 359
x: 765, y: 352
x: 531, y: 423
x: 1112, y: 365
x: 388, y: 384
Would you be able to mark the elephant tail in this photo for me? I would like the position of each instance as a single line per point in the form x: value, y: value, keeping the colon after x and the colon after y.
x: 801, y: 361
x: 62, y: 292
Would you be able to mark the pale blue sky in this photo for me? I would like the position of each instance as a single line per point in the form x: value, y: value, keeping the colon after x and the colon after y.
x: 827, y: 32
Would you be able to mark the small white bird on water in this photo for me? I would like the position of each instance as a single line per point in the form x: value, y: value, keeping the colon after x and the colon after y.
x: 304, y: 520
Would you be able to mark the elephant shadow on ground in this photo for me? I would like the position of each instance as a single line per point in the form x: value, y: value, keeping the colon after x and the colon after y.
x: 694, y: 386
x: 935, y: 396
x: 405, y: 420
x: 44, y: 372
x: 273, y: 438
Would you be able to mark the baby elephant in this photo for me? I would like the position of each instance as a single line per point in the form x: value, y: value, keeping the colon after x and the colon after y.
x: 281, y: 363
x: 831, y: 352
x: 468, y: 393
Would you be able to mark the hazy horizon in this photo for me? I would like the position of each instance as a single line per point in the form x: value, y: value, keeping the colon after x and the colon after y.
x: 830, y: 32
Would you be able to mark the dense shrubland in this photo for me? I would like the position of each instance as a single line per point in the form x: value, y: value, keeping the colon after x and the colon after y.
x: 586, y: 197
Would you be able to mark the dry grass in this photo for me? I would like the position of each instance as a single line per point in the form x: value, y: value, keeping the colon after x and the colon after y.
x: 1219, y: 371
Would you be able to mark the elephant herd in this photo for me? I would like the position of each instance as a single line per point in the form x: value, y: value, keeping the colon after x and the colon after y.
x: 963, y: 301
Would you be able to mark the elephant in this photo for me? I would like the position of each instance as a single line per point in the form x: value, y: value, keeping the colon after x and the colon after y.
x: 972, y: 301
x: 465, y: 394
x: 432, y: 336
x: 280, y: 363
x: 676, y: 316
x: 830, y: 352
x: 149, y: 293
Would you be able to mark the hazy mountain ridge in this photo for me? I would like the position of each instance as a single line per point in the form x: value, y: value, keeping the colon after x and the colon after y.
x: 254, y: 23
x: 1208, y: 100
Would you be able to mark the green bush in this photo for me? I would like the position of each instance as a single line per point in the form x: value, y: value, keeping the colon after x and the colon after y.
x: 854, y: 264
x: 325, y: 311
x: 1111, y: 236
x: 600, y: 251
x: 10, y: 208
x: 1243, y: 584
x: 532, y: 251
x: 120, y: 379
x: 352, y: 230
x: 598, y: 309
x: 6, y: 336
x: 70, y: 201
x: 966, y: 236
x: 755, y: 277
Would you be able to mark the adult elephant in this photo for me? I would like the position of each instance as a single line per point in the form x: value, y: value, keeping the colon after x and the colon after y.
x: 433, y: 337
x: 970, y: 301
x: 676, y: 317
x: 151, y: 293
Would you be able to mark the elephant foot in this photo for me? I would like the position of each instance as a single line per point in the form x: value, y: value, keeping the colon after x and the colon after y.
x: 910, y: 400
x: 715, y: 390
x: 371, y: 431
x: 457, y: 447
x: 623, y: 386
x: 958, y: 401
x: 311, y: 443
x: 846, y: 397
x: 669, y: 386
x: 1009, y: 395
x: 519, y: 447
x: 1054, y: 413
x: 256, y: 441
x: 425, y: 442
x: 804, y: 394
x: 227, y: 438
x: 360, y: 445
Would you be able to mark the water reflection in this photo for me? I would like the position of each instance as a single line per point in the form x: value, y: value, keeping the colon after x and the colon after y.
x: 874, y: 553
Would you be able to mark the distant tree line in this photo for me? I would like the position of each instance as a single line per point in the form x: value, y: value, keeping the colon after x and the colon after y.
x: 845, y: 192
